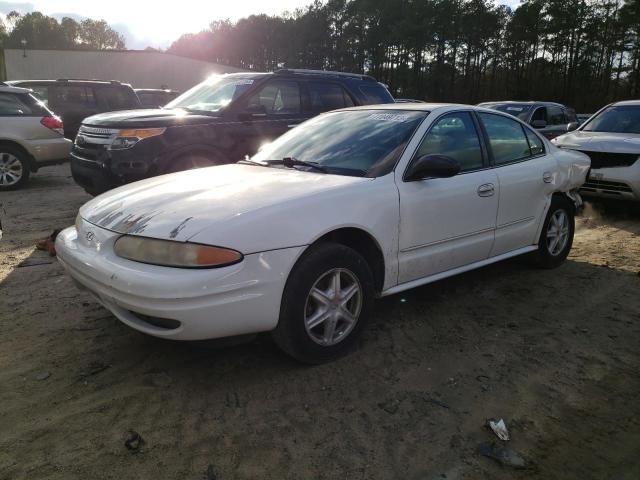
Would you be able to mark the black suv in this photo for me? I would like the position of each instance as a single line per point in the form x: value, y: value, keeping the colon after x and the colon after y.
x: 74, y: 100
x: 218, y: 121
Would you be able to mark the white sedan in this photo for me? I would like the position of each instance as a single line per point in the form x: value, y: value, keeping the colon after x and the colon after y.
x: 349, y: 206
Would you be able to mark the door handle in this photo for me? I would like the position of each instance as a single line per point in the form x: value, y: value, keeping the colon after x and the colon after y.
x: 486, y: 190
x: 547, y: 177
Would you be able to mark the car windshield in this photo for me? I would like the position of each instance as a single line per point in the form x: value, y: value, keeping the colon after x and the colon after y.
x: 363, y: 143
x: 519, y: 110
x: 213, y: 94
x: 616, y: 119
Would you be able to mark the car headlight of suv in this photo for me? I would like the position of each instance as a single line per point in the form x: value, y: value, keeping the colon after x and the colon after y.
x: 128, y: 138
x: 168, y: 253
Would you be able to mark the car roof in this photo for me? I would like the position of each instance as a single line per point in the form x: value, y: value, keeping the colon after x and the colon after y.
x: 9, y: 89
x: 524, y: 102
x: 628, y: 103
x: 154, y: 90
x: 70, y: 81
x: 419, y: 107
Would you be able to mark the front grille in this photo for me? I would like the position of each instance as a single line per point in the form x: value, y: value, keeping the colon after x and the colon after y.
x: 96, y: 133
x: 592, y: 185
x: 608, y: 160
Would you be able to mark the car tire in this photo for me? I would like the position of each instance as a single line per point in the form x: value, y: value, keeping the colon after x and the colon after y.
x: 315, y: 325
x: 556, y: 237
x: 193, y: 160
x: 14, y: 168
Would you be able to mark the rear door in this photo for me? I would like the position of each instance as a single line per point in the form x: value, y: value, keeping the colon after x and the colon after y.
x: 265, y: 114
x: 525, y: 174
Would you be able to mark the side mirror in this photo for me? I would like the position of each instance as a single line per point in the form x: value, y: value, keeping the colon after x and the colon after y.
x: 256, y: 110
x: 435, y: 166
x: 539, y: 123
x: 572, y: 126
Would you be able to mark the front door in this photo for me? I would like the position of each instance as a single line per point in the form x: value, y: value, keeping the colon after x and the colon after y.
x: 526, y: 177
x: 271, y: 111
x: 447, y: 223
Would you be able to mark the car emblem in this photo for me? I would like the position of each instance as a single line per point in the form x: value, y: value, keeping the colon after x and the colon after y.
x: 90, y: 236
x: 80, y: 140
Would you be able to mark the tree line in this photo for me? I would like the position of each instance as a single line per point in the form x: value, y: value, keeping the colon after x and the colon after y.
x: 583, y: 53
x: 42, y: 31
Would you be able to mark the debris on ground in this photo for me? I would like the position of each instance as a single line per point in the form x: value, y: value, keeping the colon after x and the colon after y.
x: 134, y: 441
x: 48, y: 244
x: 499, y: 428
x: 503, y: 455
x: 43, y: 376
x: 94, y: 368
x: 210, y: 474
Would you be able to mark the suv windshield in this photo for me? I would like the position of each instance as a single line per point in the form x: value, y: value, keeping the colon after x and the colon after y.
x: 213, y: 94
x: 620, y: 119
x: 364, y: 143
x: 519, y: 110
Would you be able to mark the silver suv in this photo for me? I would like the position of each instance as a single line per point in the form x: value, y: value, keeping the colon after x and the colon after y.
x: 31, y: 136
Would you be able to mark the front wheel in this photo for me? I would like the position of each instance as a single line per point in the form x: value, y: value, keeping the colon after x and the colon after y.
x: 556, y: 237
x: 325, y: 305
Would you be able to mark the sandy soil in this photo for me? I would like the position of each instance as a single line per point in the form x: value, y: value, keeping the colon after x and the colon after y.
x: 554, y: 353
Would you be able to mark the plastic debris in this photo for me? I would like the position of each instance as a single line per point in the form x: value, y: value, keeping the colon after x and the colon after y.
x: 499, y: 428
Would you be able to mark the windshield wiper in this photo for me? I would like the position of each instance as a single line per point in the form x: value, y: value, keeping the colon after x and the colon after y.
x: 291, y: 162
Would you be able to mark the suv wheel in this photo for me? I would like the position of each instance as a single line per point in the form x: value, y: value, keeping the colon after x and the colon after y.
x: 14, y: 168
x: 325, y: 304
x: 556, y: 238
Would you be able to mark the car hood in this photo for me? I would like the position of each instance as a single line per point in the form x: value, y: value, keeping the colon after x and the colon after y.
x: 147, y: 118
x: 600, y: 142
x: 222, y: 198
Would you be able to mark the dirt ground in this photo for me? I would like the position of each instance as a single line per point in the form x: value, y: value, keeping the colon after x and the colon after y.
x: 555, y: 353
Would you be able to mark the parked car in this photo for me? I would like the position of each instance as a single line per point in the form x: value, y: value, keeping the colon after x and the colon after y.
x: 301, y: 238
x: 611, y: 138
x: 550, y: 119
x: 408, y: 100
x: 155, y: 97
x: 218, y: 121
x: 74, y: 100
x: 30, y: 137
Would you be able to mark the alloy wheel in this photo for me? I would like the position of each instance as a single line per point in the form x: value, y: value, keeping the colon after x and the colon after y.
x: 10, y: 169
x: 557, y: 232
x: 333, y: 306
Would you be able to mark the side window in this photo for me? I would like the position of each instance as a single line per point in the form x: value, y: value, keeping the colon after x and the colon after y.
x: 71, y: 96
x: 13, y: 105
x: 537, y: 148
x: 556, y: 116
x: 506, y: 137
x: 328, y: 96
x: 42, y: 92
x: 571, y: 115
x: 113, y: 98
x: 540, y: 114
x: 455, y: 136
x: 376, y: 93
x: 278, y: 98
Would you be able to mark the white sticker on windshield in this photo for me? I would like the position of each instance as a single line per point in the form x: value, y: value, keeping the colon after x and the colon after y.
x: 389, y: 117
x: 244, y: 81
x: 514, y: 109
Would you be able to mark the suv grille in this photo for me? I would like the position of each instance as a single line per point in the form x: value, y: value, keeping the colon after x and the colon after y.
x: 96, y: 133
x: 591, y: 185
x: 607, y: 160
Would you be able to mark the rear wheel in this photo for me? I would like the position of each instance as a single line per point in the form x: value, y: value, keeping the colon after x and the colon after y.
x: 325, y: 304
x: 14, y: 168
x: 556, y: 238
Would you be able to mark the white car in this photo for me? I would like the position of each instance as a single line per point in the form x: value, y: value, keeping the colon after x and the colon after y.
x: 31, y: 136
x: 349, y: 206
x: 611, y: 138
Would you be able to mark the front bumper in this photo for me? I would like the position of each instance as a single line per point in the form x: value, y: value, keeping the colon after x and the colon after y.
x: 622, y: 183
x: 197, y: 304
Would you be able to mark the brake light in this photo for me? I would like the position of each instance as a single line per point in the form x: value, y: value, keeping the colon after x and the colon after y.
x: 54, y: 123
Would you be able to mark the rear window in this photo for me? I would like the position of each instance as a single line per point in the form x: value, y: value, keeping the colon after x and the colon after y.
x: 376, y: 93
x: 113, y: 98
x: 518, y: 110
x: 71, y: 96
x: 21, y: 105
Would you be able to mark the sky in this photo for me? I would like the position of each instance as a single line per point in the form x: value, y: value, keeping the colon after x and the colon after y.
x: 153, y: 23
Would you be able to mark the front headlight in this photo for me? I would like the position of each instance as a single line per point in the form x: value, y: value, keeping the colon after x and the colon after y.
x: 128, y: 138
x: 167, y: 253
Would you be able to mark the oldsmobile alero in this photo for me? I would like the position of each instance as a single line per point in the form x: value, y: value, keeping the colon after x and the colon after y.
x: 301, y: 238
